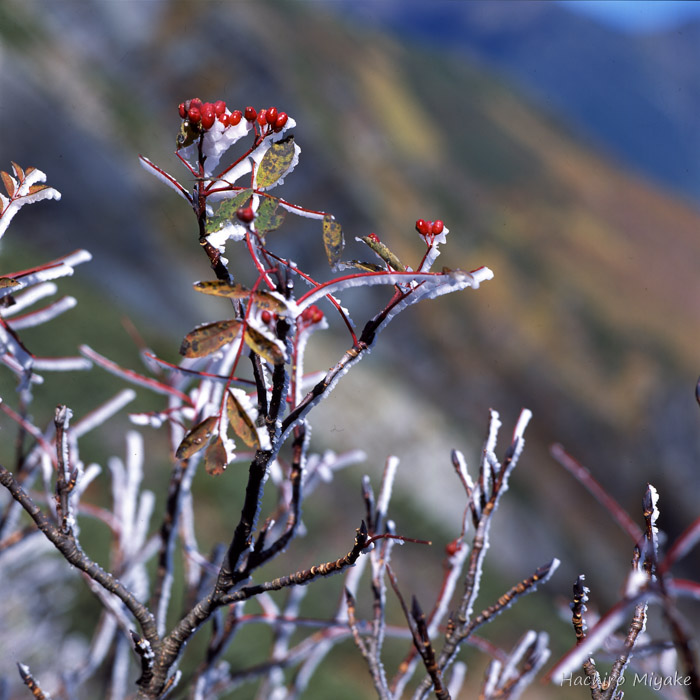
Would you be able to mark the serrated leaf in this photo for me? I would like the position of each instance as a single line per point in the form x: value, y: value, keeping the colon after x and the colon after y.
x: 275, y: 162
x: 266, y: 347
x: 269, y: 216
x: 197, y: 438
x: 332, y: 239
x: 227, y: 211
x: 6, y: 282
x: 215, y: 458
x: 8, y: 182
x: 208, y: 338
x: 384, y: 253
x: 241, y: 422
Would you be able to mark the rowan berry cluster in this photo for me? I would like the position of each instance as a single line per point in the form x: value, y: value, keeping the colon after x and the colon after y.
x: 312, y: 314
x: 429, y: 228
x: 202, y: 115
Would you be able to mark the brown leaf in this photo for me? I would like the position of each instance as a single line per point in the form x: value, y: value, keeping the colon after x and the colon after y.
x: 197, y: 438
x: 219, y: 288
x: 33, y: 189
x: 215, y: 458
x: 241, y: 422
x: 8, y: 182
x: 8, y: 282
x: 332, y: 239
x: 19, y: 173
x: 264, y: 346
x: 275, y: 162
x: 208, y: 338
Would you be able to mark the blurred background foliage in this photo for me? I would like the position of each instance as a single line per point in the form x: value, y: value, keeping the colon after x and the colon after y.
x: 561, y: 153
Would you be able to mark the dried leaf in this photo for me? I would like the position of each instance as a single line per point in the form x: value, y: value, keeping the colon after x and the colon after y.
x: 8, y: 282
x: 227, y: 211
x: 215, y: 458
x: 365, y: 266
x: 33, y: 189
x: 8, y: 182
x: 19, y: 173
x: 241, y: 422
x: 332, y: 239
x: 262, y: 299
x: 384, y: 253
x: 275, y: 162
x: 208, y: 338
x: 266, y: 347
x: 269, y: 216
x: 197, y: 438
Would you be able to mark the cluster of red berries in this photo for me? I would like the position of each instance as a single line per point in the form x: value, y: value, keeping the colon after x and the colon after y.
x: 312, y: 314
x: 269, y: 118
x: 204, y: 114
x: 429, y: 228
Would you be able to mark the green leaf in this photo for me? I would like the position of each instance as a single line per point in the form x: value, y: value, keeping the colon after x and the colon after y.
x: 227, y: 211
x: 269, y: 216
x: 208, y: 338
x: 275, y: 162
x: 267, y: 348
x: 241, y: 422
x: 384, y: 253
x: 197, y: 438
x: 215, y: 458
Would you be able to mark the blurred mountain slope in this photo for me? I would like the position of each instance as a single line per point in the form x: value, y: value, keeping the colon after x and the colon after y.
x: 591, y: 319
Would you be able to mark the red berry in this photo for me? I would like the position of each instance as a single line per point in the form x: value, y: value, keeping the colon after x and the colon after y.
x: 373, y: 237
x: 208, y: 115
x: 225, y: 119
x: 196, y: 102
x: 245, y: 214
x: 194, y: 115
x: 235, y: 117
x: 262, y: 117
x: 453, y: 547
x: 219, y: 107
x: 312, y: 314
x: 182, y: 110
x: 280, y: 121
x: 422, y: 227
x: 437, y: 227
x: 250, y: 114
x: 271, y: 115
x: 266, y: 316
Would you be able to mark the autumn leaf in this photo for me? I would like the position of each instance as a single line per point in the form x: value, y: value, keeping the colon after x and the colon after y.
x: 8, y: 282
x: 241, y: 422
x: 208, y: 338
x: 215, y: 458
x: 269, y: 216
x: 275, y: 162
x: 262, y: 299
x: 384, y: 253
x: 227, y: 211
x: 266, y: 347
x: 197, y: 438
x: 332, y: 239
x: 8, y: 182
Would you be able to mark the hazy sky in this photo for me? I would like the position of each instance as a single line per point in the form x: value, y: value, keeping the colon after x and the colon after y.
x: 638, y: 15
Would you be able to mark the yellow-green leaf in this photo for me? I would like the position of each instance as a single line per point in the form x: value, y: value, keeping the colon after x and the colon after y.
x: 275, y: 162
x: 197, y: 438
x: 384, y: 253
x: 215, y: 458
x: 366, y: 266
x: 241, y: 422
x: 269, y: 216
x: 267, y: 348
x: 8, y: 282
x: 265, y: 300
x: 208, y: 338
x: 220, y: 288
x: 332, y: 239
x: 227, y: 211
